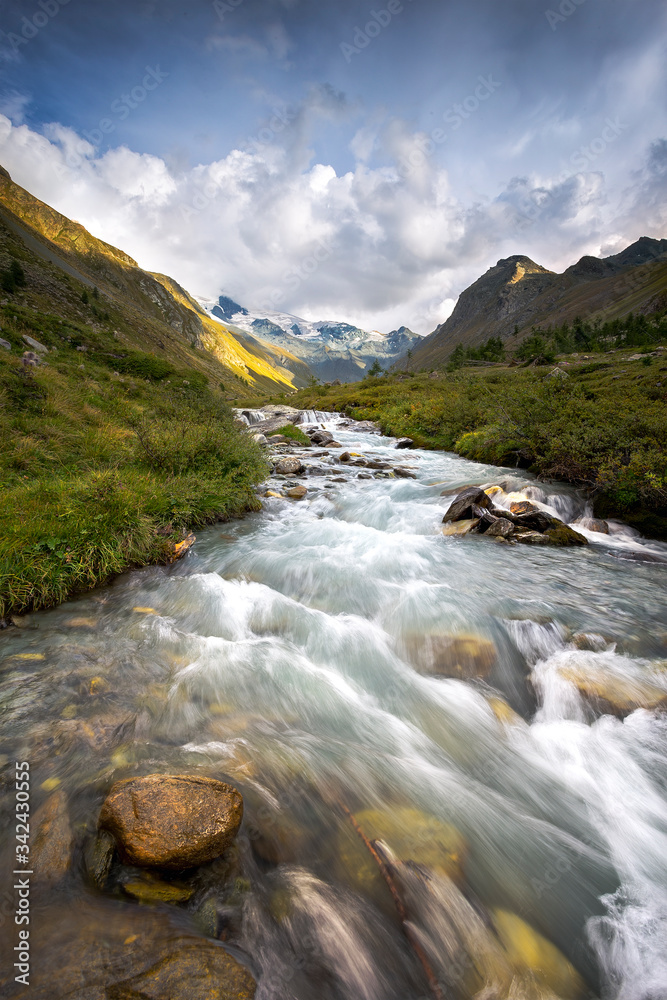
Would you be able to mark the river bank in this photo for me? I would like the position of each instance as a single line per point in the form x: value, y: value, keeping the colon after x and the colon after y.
x: 473, y: 709
x: 110, y: 458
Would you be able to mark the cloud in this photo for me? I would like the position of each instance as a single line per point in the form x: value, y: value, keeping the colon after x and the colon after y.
x: 269, y: 224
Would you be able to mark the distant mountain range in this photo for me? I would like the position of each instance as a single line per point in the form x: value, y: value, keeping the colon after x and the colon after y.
x: 518, y: 294
x: 332, y: 350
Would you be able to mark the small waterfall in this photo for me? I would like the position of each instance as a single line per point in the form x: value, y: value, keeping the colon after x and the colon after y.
x: 249, y: 417
x: 318, y: 417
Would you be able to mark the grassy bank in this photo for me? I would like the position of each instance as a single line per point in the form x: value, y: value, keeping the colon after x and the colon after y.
x: 599, y: 423
x: 109, y: 457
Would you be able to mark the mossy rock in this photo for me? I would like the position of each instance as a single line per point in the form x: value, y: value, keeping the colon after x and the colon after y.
x: 563, y: 534
x: 411, y: 835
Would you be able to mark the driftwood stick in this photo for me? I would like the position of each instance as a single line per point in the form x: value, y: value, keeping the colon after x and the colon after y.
x: 400, y: 907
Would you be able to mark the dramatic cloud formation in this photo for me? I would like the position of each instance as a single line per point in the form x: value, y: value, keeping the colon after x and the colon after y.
x: 357, y: 195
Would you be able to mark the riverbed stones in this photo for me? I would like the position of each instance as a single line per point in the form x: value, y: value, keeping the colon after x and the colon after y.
x: 523, y: 507
x: 172, y: 821
x: 461, y: 656
x: 101, y: 949
x: 461, y: 506
x: 527, y: 537
x: 404, y: 442
x: 403, y: 473
x: 289, y: 467
x: 322, y: 437
x: 51, y: 840
x: 501, y: 528
x: 147, y: 888
x: 296, y: 492
x: 613, y: 694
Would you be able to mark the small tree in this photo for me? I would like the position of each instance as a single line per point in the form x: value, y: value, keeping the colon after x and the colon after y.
x: 375, y: 369
x: 84, y: 297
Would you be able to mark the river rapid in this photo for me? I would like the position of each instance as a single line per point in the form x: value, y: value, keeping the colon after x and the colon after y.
x: 286, y: 655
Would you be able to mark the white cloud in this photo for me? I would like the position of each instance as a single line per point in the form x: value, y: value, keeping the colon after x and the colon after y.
x: 369, y: 246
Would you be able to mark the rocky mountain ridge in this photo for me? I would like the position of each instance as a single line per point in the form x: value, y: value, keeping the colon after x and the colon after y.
x: 158, y: 315
x: 516, y: 294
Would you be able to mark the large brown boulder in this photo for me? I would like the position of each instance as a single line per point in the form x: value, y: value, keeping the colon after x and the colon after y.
x: 172, y: 821
x: 462, y: 504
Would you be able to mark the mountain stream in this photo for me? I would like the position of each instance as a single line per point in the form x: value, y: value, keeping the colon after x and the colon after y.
x: 495, y: 832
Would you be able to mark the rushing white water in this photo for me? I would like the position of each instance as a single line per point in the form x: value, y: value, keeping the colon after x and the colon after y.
x: 282, y: 655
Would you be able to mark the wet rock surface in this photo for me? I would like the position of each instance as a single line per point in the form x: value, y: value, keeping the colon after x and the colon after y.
x: 52, y: 839
x: 107, y: 950
x: 172, y: 821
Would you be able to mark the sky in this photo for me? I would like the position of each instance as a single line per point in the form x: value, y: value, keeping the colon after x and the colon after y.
x: 341, y: 159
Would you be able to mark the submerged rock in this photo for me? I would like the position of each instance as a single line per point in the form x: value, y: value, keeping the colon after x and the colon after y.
x: 172, y: 821
x: 146, y: 888
x: 413, y: 836
x: 611, y: 693
x: 99, y: 858
x: 461, y: 656
x: 102, y: 949
x: 403, y: 473
x: 51, y: 839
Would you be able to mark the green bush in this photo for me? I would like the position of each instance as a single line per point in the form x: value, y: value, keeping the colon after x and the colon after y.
x: 143, y: 366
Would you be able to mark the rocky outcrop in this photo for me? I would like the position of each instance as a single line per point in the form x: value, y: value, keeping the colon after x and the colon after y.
x: 172, y: 821
x: 462, y: 506
x: 524, y: 522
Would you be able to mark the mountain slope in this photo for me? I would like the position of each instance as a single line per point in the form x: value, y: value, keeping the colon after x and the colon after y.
x: 518, y: 293
x: 332, y: 350
x: 150, y: 311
